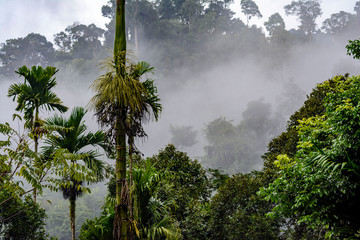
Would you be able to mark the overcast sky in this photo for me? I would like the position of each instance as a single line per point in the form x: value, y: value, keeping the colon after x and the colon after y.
x: 47, y: 17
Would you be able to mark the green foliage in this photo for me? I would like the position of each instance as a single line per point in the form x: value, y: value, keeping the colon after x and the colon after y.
x: 236, y: 212
x: 99, y: 228
x: 171, y: 191
x: 184, y: 186
x: 68, y: 137
x: 284, y: 147
x: 17, y: 160
x: 217, y: 178
x: 150, y: 212
x: 353, y: 48
x: 319, y: 184
x: 137, y: 100
x: 21, y: 218
x: 35, y: 93
x: 152, y: 219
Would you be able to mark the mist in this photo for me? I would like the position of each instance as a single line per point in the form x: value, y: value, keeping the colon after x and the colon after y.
x: 226, y: 88
x: 219, y: 83
x: 195, y: 98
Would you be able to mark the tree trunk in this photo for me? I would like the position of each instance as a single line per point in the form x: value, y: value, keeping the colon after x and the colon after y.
x: 36, y: 142
x: 131, y: 150
x: 121, y: 208
x: 120, y: 35
x: 72, y: 215
x: 136, y: 28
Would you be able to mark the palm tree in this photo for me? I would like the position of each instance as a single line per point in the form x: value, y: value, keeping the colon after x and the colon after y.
x: 120, y: 229
x: 118, y: 93
x: 123, y: 103
x: 151, y: 214
x: 69, y: 137
x: 33, y: 95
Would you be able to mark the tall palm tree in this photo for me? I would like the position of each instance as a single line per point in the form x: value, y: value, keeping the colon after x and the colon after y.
x: 120, y: 224
x: 33, y: 95
x: 69, y: 136
x: 117, y: 95
x: 123, y: 103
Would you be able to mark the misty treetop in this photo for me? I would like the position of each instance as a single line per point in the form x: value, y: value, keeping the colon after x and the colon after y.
x: 180, y: 33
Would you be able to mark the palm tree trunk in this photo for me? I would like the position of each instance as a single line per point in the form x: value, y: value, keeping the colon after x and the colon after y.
x: 120, y: 34
x: 36, y: 142
x: 72, y: 215
x: 131, y: 150
x: 136, y: 28
x: 121, y: 208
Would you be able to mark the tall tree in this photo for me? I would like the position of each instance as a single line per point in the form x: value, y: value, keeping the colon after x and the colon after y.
x: 191, y: 12
x: 69, y: 136
x: 33, y: 49
x: 80, y: 40
x: 307, y: 11
x: 337, y: 22
x: 32, y: 96
x: 275, y: 23
x: 123, y: 103
x: 250, y: 9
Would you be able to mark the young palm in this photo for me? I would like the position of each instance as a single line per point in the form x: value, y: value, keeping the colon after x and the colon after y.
x: 33, y: 95
x: 69, y: 138
x: 154, y: 220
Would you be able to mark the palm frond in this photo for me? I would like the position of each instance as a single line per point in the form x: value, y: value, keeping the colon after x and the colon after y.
x: 124, y: 96
x: 36, y: 92
x: 66, y: 143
